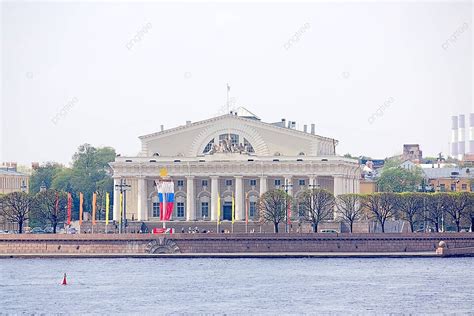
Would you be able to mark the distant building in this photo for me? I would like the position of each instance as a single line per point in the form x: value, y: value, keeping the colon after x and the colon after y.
x: 228, y: 161
x: 449, y: 179
x: 413, y: 153
x: 11, y: 181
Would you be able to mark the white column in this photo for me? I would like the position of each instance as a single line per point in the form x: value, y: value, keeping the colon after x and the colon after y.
x: 142, y: 200
x: 190, y: 200
x: 214, y: 196
x: 239, y: 195
x: 357, y: 186
x: 116, y: 207
x: 263, y: 185
x: 338, y: 185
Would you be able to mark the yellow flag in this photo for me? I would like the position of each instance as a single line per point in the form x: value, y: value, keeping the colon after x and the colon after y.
x: 233, y: 209
x: 121, y: 208
x: 81, y: 210
x: 94, y: 207
x: 218, y: 208
x: 107, y: 206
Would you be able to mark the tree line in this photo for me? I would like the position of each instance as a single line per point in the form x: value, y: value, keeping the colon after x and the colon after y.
x: 318, y: 205
x: 46, y: 204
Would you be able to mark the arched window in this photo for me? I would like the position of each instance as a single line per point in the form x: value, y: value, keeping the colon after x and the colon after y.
x: 208, y: 147
x: 248, y: 147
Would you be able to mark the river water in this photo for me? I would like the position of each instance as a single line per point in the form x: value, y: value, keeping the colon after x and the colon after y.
x: 237, y: 286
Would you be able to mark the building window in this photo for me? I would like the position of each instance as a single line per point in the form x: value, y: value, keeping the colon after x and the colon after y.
x: 234, y: 138
x: 442, y: 187
x: 302, y: 182
x: 205, y: 209
x: 252, y: 209
x: 253, y: 182
x: 277, y: 182
x: 301, y: 210
x: 180, y: 183
x: 208, y: 147
x: 180, y: 209
x: 464, y: 186
x: 248, y: 147
x: 228, y: 183
x: 204, y: 183
x: 156, y: 209
x: 453, y: 187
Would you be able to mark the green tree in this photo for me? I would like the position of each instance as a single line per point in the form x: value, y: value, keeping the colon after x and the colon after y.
x: 45, y: 209
x: 44, y: 175
x: 457, y: 205
x: 396, y: 179
x: 16, y: 208
x: 381, y: 207
x: 91, y: 171
x: 350, y: 208
x: 317, y: 205
x: 410, y: 207
x: 434, y: 208
x: 271, y: 207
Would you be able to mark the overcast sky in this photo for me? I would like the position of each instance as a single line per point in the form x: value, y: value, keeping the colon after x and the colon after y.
x: 72, y: 73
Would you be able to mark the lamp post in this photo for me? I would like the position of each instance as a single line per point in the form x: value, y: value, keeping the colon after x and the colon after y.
x: 23, y: 186
x: 123, y: 187
x: 287, y: 186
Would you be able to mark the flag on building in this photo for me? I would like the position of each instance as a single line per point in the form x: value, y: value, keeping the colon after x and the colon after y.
x: 166, y: 197
x: 81, y: 210
x: 69, y: 206
x: 107, y: 206
x: 94, y: 207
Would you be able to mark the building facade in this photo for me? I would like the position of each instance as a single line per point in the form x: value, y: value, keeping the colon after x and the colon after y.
x: 231, y: 157
x: 11, y: 181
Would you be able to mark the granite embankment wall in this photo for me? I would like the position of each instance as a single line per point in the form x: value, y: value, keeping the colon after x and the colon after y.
x: 230, y: 243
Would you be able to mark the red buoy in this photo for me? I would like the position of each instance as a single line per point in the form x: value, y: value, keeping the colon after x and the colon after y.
x: 64, y: 280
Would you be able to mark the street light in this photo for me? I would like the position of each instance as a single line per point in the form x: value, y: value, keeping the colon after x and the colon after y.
x: 23, y: 186
x: 123, y: 187
x: 287, y: 186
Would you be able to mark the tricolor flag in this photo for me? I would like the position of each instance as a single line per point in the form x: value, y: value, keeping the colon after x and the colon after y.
x: 166, y: 198
x: 81, y: 201
x: 107, y: 206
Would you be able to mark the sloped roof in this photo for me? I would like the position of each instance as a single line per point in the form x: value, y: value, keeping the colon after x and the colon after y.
x: 243, y: 112
x: 433, y: 173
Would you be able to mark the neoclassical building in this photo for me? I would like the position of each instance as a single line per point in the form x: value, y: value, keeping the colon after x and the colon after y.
x: 230, y: 156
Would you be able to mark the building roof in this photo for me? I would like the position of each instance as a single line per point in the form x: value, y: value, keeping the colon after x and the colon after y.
x: 5, y: 172
x: 435, y: 173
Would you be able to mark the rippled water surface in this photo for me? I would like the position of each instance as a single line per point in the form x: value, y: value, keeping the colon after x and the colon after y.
x: 237, y: 286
